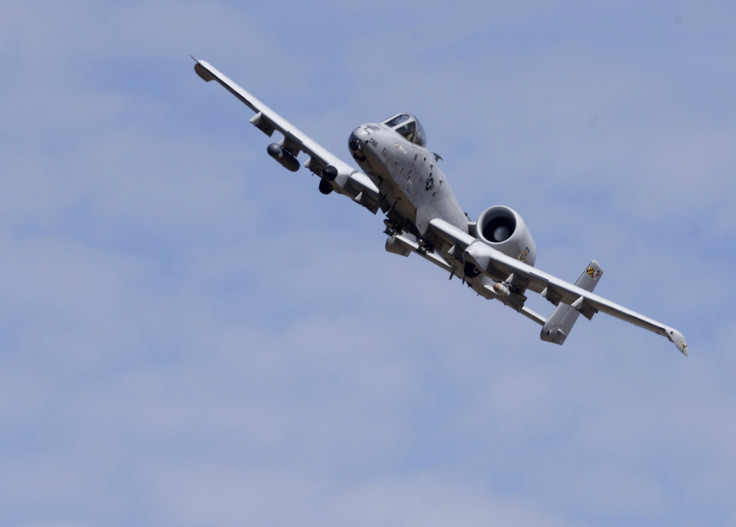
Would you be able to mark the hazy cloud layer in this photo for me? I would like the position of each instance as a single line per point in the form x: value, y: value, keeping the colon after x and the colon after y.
x: 189, y: 335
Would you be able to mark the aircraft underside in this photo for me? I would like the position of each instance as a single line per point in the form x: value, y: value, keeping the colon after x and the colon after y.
x: 494, y: 255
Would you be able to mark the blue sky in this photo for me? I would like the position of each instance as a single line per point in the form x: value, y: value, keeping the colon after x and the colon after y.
x: 190, y: 335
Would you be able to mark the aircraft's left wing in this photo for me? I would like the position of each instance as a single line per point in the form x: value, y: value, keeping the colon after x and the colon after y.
x: 339, y: 175
x: 492, y: 262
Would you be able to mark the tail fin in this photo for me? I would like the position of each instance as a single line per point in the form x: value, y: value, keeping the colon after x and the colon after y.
x: 559, y: 324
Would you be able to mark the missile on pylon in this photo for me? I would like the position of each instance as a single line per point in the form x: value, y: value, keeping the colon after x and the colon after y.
x: 501, y: 289
x: 280, y: 154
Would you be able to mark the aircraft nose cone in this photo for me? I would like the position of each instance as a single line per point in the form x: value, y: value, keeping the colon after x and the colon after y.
x: 357, y: 138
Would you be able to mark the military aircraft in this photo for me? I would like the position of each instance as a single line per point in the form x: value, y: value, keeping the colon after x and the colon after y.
x: 493, y: 255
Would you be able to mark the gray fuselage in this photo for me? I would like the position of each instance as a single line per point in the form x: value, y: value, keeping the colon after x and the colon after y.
x: 413, y: 189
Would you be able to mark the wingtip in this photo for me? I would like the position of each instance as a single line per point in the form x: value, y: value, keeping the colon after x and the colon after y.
x: 204, y: 73
x: 678, y: 339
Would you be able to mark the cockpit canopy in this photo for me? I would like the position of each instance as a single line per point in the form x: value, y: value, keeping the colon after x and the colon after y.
x: 408, y: 126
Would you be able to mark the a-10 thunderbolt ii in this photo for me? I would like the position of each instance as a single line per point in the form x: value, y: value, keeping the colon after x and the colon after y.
x: 494, y: 255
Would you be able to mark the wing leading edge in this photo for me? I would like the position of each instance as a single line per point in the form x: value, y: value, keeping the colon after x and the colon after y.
x: 337, y: 174
x: 491, y: 261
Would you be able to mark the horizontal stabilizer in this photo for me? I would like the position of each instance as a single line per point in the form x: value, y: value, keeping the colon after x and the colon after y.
x: 560, y: 323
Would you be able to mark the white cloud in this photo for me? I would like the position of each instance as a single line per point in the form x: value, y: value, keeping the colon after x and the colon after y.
x: 191, y: 336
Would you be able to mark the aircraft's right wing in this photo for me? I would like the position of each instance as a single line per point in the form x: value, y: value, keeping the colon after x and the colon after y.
x: 335, y: 173
x: 492, y: 262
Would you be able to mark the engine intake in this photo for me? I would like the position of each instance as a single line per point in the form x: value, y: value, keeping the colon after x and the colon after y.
x: 503, y: 229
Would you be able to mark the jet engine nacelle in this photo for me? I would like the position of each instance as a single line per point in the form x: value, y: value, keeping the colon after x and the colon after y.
x: 503, y: 229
